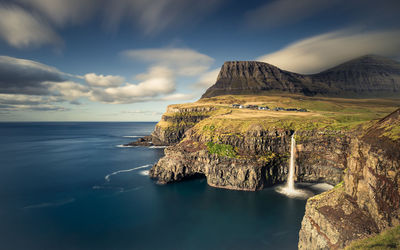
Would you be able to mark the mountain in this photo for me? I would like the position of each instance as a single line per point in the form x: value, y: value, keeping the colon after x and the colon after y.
x: 366, y: 76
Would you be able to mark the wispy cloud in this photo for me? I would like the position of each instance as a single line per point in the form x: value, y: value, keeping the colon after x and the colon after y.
x: 61, y: 12
x: 22, y: 29
x: 320, y: 52
x: 157, y: 15
x: 177, y: 97
x: 207, y: 79
x: 16, y: 102
x: 282, y: 12
x: 29, y: 23
x: 185, y: 62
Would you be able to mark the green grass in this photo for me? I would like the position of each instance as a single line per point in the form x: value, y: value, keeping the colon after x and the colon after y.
x: 389, y: 239
x: 325, y: 113
x: 221, y: 149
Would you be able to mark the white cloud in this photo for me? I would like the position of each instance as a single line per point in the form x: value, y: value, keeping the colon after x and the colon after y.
x: 103, y: 81
x: 320, y: 52
x: 207, y: 79
x: 158, y: 81
x: 26, y: 83
x: 21, y: 29
x: 185, y: 62
x: 68, y: 90
x: 177, y: 97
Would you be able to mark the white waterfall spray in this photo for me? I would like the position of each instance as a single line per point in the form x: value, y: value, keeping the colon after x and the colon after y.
x: 290, y: 180
x: 289, y: 188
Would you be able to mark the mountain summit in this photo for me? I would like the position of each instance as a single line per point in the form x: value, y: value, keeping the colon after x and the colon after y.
x: 366, y: 76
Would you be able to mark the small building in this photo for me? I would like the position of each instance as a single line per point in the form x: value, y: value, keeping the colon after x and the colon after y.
x: 263, y: 108
x: 236, y: 106
x: 252, y: 106
x: 292, y: 109
x: 303, y: 110
x: 279, y: 109
x: 241, y: 106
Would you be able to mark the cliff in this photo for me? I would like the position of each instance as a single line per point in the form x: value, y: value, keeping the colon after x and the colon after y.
x: 367, y: 76
x: 250, y: 77
x: 344, y: 142
x: 248, y: 149
x: 252, y: 160
x: 367, y: 201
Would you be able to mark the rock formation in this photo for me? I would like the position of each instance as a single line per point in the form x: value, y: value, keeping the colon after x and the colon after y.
x: 367, y: 76
x: 367, y: 202
x: 257, y: 159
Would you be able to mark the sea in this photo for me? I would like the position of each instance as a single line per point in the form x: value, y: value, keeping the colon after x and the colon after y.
x: 72, y: 185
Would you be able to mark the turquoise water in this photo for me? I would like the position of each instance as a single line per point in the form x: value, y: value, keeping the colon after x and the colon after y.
x: 54, y: 195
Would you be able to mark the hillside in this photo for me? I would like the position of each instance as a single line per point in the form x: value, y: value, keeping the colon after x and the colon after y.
x: 364, y: 77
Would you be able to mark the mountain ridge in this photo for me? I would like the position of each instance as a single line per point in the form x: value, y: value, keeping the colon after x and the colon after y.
x: 365, y: 76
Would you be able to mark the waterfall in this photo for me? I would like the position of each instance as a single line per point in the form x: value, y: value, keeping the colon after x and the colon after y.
x: 290, y: 180
x: 289, y: 189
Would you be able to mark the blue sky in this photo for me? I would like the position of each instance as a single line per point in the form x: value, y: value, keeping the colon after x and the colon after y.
x: 126, y: 60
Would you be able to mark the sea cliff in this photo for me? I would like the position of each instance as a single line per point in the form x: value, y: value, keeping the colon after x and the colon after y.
x: 367, y: 201
x: 244, y: 149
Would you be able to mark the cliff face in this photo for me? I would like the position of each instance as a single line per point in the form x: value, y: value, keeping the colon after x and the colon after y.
x: 175, y: 122
x: 250, y: 77
x: 367, y: 201
x: 366, y: 164
x: 322, y: 155
x: 367, y: 76
x: 254, y: 159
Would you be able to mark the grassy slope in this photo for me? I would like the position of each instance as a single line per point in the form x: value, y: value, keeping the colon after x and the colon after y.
x: 328, y: 113
x: 389, y: 239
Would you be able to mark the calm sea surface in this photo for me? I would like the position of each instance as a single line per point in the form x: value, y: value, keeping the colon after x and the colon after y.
x: 64, y: 186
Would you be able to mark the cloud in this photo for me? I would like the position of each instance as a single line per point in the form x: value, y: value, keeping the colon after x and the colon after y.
x: 31, y: 23
x: 22, y: 29
x: 142, y: 112
x: 282, y: 12
x: 15, y: 102
x: 68, y: 90
x: 157, y: 15
x: 185, y: 62
x: 21, y: 76
x: 177, y: 97
x: 158, y: 81
x: 103, y: 81
x: 62, y: 12
x: 207, y: 79
x: 26, y: 84
x: 317, y: 53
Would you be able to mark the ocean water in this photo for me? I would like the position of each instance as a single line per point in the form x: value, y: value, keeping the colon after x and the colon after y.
x: 69, y: 186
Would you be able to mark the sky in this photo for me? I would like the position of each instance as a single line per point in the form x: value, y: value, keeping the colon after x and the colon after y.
x: 127, y: 60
